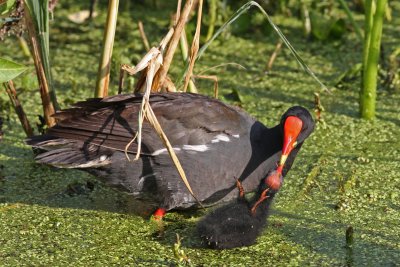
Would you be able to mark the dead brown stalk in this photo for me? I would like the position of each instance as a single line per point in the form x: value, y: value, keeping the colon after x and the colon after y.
x: 143, y: 63
x: 273, y: 56
x: 210, y: 77
x: 12, y: 93
x: 169, y: 54
x: 152, y: 61
x: 178, y: 11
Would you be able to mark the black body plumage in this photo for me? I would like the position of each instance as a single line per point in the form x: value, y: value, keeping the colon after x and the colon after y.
x: 214, y: 142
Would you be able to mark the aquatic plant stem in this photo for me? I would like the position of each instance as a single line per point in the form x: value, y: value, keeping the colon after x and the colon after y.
x: 369, y: 15
x: 370, y: 67
x: 12, y: 94
x: 103, y: 73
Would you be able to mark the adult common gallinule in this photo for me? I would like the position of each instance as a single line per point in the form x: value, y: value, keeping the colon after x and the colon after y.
x: 215, y: 142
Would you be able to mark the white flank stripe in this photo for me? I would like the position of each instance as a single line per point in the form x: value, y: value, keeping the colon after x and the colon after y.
x: 220, y: 137
x: 163, y: 150
x: 236, y: 135
x: 198, y: 148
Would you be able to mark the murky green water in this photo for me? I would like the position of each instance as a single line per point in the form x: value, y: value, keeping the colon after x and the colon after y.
x: 347, y: 173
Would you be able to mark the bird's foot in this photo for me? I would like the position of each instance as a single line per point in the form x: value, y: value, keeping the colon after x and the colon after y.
x: 159, y: 214
x: 263, y: 197
x: 157, y: 218
x: 240, y: 188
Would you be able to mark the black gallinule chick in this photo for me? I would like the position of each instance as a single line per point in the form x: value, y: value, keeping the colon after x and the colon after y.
x: 238, y: 223
x: 215, y: 142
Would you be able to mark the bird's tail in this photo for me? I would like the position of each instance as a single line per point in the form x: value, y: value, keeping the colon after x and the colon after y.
x: 64, y: 153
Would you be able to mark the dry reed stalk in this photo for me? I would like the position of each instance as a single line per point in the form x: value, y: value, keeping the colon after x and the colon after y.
x: 143, y: 36
x: 195, y: 46
x: 142, y: 64
x: 213, y: 78
x: 273, y: 56
x: 152, y: 61
x: 12, y: 93
x: 103, y: 73
x: 178, y: 11
x: 169, y: 54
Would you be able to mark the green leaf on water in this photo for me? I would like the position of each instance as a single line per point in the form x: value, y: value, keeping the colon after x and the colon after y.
x: 9, y: 70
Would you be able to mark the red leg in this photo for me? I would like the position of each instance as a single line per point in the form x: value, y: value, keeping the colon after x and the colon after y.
x: 259, y: 201
x: 159, y: 214
x: 240, y: 187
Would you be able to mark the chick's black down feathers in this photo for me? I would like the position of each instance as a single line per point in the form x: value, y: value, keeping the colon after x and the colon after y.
x: 235, y: 225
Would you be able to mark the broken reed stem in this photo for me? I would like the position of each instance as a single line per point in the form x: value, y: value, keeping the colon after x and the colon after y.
x: 143, y: 36
x: 162, y: 72
x: 195, y: 46
x: 48, y: 107
x: 273, y: 56
x: 103, y: 73
x: 151, y: 69
x: 210, y: 77
x: 145, y: 60
x: 12, y: 93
